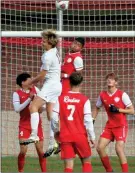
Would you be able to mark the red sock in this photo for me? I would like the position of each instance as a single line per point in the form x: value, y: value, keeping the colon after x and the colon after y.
x: 106, y: 163
x: 87, y: 167
x: 68, y: 170
x: 124, y: 167
x: 21, y: 162
x: 42, y: 162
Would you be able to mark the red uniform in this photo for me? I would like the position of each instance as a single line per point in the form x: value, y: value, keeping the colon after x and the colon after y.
x: 116, y: 126
x: 68, y: 68
x: 72, y: 127
x: 24, y: 123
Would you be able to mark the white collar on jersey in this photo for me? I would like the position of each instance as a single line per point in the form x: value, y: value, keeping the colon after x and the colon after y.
x: 26, y: 91
x: 73, y: 92
x: 111, y: 94
x: 73, y: 52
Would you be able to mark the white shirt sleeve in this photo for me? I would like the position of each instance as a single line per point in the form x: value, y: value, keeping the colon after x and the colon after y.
x: 88, y: 122
x: 37, y: 89
x: 78, y: 63
x: 46, y: 61
x: 16, y: 102
x: 55, y: 118
x: 99, y: 102
x: 126, y: 100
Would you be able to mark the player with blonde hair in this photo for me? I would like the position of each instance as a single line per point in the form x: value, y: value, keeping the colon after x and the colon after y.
x: 50, y: 73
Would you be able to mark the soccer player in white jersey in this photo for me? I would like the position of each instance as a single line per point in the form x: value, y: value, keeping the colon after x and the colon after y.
x: 50, y: 73
x: 73, y: 61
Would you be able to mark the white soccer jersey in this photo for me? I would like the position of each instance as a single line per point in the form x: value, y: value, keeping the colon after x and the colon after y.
x: 51, y: 62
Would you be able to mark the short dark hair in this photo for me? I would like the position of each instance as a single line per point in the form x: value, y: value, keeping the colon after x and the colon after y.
x: 80, y: 40
x: 111, y: 75
x: 75, y: 78
x: 22, y: 77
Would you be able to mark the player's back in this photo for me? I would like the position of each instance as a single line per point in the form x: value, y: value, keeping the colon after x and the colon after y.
x: 52, y: 63
x: 72, y: 115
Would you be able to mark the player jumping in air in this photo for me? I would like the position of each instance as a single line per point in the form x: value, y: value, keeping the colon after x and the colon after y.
x: 50, y: 73
x: 73, y: 61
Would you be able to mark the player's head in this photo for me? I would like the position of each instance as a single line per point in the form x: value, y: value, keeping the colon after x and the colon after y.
x: 75, y: 79
x: 111, y: 79
x: 49, y: 39
x: 77, y: 44
x: 23, y: 79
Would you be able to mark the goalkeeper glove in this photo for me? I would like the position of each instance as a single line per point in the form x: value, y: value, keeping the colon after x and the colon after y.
x: 113, y: 109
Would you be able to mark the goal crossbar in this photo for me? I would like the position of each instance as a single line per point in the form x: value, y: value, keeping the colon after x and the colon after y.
x: 71, y: 33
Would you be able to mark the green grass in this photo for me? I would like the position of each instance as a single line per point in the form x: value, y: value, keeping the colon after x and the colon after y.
x: 54, y: 164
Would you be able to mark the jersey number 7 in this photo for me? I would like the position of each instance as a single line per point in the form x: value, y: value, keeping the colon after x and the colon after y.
x: 72, y: 108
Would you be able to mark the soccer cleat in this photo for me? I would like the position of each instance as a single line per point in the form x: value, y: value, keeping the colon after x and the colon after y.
x: 49, y: 152
x: 52, y: 149
x: 31, y: 139
x: 57, y: 149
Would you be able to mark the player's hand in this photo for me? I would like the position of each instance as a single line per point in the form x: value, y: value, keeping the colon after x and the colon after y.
x: 93, y: 143
x: 113, y: 109
x: 32, y: 95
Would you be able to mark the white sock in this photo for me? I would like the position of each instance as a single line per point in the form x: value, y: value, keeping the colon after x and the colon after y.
x: 34, y: 122
x: 51, y: 132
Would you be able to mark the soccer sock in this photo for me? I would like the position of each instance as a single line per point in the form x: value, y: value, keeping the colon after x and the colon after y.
x: 21, y: 162
x: 51, y: 132
x: 124, y: 167
x: 34, y: 122
x: 68, y: 170
x: 42, y: 162
x: 106, y: 163
x: 87, y: 167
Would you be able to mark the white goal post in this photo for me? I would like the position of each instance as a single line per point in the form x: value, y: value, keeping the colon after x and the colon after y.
x: 71, y: 33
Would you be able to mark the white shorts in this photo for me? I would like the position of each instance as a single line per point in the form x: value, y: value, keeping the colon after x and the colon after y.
x: 50, y: 92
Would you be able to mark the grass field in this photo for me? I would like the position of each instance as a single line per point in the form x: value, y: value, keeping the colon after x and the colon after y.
x: 54, y: 164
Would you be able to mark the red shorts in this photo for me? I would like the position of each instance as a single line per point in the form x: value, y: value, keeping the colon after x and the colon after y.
x: 80, y: 147
x: 25, y: 133
x: 117, y: 133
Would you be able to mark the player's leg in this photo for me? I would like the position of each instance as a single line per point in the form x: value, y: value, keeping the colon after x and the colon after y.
x: 105, y: 138
x: 22, y: 136
x: 67, y: 155
x: 102, y: 144
x: 53, y: 147
x: 68, y: 165
x: 36, y: 104
x: 21, y: 157
x: 82, y: 148
x: 42, y: 160
x: 120, y: 136
x: 86, y: 165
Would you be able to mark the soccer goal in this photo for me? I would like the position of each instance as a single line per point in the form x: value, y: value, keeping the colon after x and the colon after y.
x: 109, y: 31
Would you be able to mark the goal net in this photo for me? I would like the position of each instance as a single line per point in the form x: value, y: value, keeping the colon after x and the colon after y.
x: 101, y: 55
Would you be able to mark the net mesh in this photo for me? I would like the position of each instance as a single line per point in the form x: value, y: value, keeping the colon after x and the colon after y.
x: 101, y: 55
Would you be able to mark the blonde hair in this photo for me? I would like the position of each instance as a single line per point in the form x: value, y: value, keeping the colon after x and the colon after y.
x: 51, y: 36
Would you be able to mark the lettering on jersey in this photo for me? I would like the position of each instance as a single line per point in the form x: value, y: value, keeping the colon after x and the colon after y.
x: 73, y: 100
x: 116, y: 99
x: 69, y: 60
